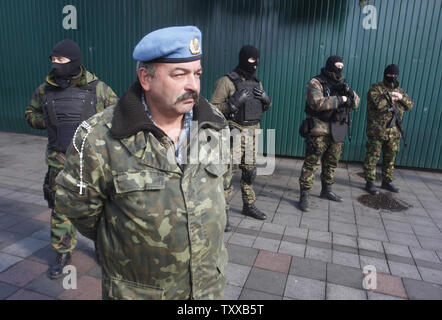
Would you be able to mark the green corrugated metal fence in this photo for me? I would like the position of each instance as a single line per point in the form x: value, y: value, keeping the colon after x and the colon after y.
x: 295, y: 38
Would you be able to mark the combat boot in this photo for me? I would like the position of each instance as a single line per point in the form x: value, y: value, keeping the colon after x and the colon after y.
x: 326, y: 193
x: 62, y: 259
x: 371, y: 188
x: 303, y: 200
x: 389, y: 186
x: 228, y: 227
x: 252, y: 211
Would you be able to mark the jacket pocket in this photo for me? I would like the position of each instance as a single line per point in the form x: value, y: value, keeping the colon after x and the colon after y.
x: 139, y: 181
x: 128, y: 290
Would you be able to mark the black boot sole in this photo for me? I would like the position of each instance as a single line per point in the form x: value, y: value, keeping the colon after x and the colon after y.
x: 331, y: 199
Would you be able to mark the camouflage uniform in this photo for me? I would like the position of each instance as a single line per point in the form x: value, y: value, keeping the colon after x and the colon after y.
x: 224, y: 88
x: 327, y: 151
x: 379, y: 136
x: 63, y: 235
x: 159, y: 228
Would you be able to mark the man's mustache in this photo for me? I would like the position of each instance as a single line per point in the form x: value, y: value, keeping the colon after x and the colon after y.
x: 188, y: 95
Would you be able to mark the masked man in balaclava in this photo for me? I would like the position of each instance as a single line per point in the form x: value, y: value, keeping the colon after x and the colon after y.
x: 328, y: 103
x: 69, y: 95
x: 386, y: 104
x: 240, y: 97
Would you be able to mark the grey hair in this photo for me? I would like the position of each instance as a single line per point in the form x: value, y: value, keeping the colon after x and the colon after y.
x: 150, y: 67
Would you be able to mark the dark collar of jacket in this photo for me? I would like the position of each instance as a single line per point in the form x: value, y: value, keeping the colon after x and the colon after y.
x: 130, y: 117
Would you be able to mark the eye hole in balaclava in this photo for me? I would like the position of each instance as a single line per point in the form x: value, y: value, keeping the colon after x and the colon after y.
x: 245, y: 54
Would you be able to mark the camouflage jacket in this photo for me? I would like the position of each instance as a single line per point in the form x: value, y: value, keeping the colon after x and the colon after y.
x: 159, y: 228
x: 315, y: 98
x: 378, y: 116
x: 34, y: 112
x: 223, y: 89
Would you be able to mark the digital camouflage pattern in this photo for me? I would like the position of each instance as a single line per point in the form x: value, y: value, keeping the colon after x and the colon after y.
x: 380, y: 137
x: 159, y: 229
x: 223, y: 89
x: 63, y: 234
x: 330, y: 155
x: 314, y: 96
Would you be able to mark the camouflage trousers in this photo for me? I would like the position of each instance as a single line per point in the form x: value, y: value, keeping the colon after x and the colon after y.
x: 390, y: 147
x: 328, y: 153
x: 244, y: 158
x: 63, y: 233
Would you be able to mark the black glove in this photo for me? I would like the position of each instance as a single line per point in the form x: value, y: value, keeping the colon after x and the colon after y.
x: 237, y: 99
x: 262, y: 95
x: 343, y: 104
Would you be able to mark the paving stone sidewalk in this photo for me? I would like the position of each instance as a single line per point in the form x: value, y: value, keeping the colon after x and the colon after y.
x: 317, y: 255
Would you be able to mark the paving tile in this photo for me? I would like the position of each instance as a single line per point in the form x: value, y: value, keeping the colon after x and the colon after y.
x: 308, y: 268
x: 7, y: 261
x: 372, y: 245
x: 319, y: 244
x: 42, y: 234
x: 249, y: 232
x: 236, y: 274
x: 28, y: 295
x: 430, y: 243
x: 395, y: 258
x: 232, y: 292
x: 273, y: 228
x: 7, y: 238
x: 249, y: 294
x: 389, y: 285
x: 369, y: 222
x: 6, y: 290
x: 320, y: 236
x: 266, y: 281
x: 294, y: 240
x: 45, y: 216
x: 296, y: 232
x: 23, y: 272
x: 431, y: 275
x: 251, y: 224
x: 396, y: 249
x: 404, y: 270
x: 9, y: 220
x: 288, y: 220
x: 266, y: 244
x: 293, y: 249
x: 428, y: 264
x: 379, y: 296
x: 242, y: 239
x: 345, y: 240
x: 88, y: 288
x: 340, y: 248
x: 373, y: 254
x: 398, y: 226
x: 403, y: 239
x: 314, y: 224
x: 46, y: 255
x: 25, y: 247
x: 345, y: 259
x: 273, y: 261
x: 83, y: 260
x: 421, y: 290
x: 95, y: 272
x: 343, y: 275
x: 422, y: 254
x: 242, y: 255
x: 304, y: 288
x: 340, y: 216
x: 338, y: 292
x: 28, y: 226
x: 381, y: 265
x: 269, y: 235
x: 372, y: 233
x: 318, y: 253
x: 46, y: 286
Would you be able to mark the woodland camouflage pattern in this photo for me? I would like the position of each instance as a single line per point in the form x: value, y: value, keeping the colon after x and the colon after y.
x: 378, y: 133
x: 63, y: 234
x: 159, y: 229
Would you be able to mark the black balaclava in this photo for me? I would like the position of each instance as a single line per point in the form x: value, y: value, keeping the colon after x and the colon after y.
x: 330, y: 65
x: 65, y: 71
x: 244, y: 65
x: 391, y: 69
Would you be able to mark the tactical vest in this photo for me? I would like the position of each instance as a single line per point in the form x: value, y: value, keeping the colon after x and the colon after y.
x: 64, y: 110
x: 250, y: 112
x: 327, y: 91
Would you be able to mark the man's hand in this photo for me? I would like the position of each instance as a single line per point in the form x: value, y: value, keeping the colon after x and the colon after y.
x: 396, y: 96
x: 262, y: 95
x: 237, y: 99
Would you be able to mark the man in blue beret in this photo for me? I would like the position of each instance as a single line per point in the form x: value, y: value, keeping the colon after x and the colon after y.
x: 158, y: 219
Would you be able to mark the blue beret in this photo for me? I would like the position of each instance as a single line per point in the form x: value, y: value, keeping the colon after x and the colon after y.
x: 173, y: 44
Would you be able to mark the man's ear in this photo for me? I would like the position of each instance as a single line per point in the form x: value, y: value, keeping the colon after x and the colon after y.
x: 144, y: 78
